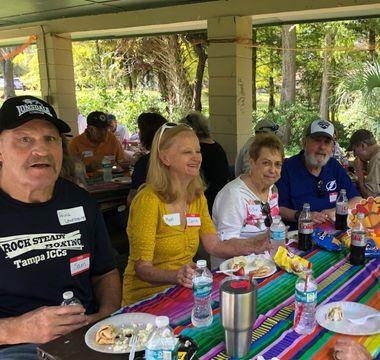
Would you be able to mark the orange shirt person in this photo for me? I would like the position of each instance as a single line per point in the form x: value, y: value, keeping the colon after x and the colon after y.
x: 97, y: 142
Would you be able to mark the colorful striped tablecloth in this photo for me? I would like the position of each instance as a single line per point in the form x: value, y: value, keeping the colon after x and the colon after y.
x: 273, y: 334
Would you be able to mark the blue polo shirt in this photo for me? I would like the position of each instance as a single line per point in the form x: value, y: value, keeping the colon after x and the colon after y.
x: 298, y: 186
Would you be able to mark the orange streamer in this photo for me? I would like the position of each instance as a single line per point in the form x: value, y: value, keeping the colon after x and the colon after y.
x: 15, y: 52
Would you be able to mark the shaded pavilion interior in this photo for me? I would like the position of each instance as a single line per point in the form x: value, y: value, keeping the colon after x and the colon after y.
x: 56, y: 23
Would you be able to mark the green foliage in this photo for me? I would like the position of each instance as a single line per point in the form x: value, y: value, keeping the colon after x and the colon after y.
x: 124, y: 105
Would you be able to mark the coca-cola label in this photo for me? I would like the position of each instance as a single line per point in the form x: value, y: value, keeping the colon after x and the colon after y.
x: 342, y: 208
x: 306, y: 227
x: 358, y: 239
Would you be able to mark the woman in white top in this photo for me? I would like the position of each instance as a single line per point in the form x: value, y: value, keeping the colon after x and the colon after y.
x: 245, y: 206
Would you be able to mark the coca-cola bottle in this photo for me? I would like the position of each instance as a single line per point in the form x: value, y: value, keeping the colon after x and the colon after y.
x: 358, y: 242
x: 305, y: 228
x: 341, y: 211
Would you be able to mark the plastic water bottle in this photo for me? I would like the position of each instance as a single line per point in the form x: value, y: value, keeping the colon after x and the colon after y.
x: 358, y: 242
x: 201, y: 314
x: 305, y: 303
x: 277, y: 234
x: 107, y: 169
x: 162, y: 342
x: 69, y: 299
x: 305, y: 229
x: 341, y: 211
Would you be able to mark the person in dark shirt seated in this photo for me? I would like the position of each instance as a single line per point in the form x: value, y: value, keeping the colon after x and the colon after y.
x: 148, y: 123
x: 214, y: 168
x: 314, y: 177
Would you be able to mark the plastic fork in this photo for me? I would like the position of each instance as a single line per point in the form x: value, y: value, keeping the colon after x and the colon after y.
x: 133, y: 343
x: 362, y: 320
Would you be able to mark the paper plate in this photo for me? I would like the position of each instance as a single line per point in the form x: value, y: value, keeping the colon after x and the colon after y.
x: 126, y: 320
x: 350, y: 310
x: 226, y: 265
x: 122, y: 179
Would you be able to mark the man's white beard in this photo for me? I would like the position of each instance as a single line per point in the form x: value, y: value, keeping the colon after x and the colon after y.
x: 311, y: 160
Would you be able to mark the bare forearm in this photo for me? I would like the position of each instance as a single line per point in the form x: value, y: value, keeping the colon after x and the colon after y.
x: 155, y: 275
x: 8, y: 332
x: 287, y: 214
x: 107, y: 290
x: 231, y: 247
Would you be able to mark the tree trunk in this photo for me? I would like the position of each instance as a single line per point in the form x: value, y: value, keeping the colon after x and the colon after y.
x: 254, y: 64
x: 372, y: 45
x: 197, y: 91
x: 288, y: 88
x: 7, y: 65
x: 324, y: 99
x: 271, y: 103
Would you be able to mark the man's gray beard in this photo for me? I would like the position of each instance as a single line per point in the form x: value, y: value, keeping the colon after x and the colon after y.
x: 312, y: 161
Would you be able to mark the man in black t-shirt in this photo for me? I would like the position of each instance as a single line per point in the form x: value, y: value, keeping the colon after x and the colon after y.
x: 52, y: 236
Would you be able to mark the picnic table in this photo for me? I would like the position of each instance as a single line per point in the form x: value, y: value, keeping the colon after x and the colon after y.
x: 273, y: 334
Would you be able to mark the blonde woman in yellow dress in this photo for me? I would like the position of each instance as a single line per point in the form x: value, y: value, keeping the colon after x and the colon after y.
x: 169, y: 216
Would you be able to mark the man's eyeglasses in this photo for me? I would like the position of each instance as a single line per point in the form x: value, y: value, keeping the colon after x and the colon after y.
x: 320, y: 188
x: 265, y: 209
x: 168, y: 126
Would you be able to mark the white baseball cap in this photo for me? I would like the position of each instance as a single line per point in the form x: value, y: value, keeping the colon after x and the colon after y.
x: 320, y: 128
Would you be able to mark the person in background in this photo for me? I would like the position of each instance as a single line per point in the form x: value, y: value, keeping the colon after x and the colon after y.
x: 119, y: 130
x: 169, y: 216
x: 214, y: 167
x: 96, y: 143
x: 148, y: 124
x: 367, y: 153
x: 82, y: 122
x: 314, y: 177
x: 52, y: 236
x: 337, y: 152
x: 242, y: 159
x: 245, y: 206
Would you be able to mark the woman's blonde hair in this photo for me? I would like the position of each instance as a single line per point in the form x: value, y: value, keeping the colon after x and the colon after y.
x: 158, y: 173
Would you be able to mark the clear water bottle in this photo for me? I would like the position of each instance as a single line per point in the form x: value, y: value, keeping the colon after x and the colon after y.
x: 358, y: 242
x: 201, y: 314
x: 305, y: 303
x: 277, y: 234
x: 305, y: 229
x: 69, y: 299
x: 107, y: 169
x: 162, y: 342
x: 341, y: 211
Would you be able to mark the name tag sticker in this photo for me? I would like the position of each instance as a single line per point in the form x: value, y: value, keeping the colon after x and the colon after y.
x: 87, y: 153
x: 193, y: 220
x: 172, y: 219
x: 71, y: 216
x: 79, y: 264
x: 333, y: 196
x: 254, y: 210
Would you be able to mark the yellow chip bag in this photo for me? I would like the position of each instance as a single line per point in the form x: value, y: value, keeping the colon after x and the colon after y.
x: 290, y: 262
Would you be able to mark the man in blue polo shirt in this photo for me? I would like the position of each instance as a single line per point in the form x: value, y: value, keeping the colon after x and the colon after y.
x: 314, y: 177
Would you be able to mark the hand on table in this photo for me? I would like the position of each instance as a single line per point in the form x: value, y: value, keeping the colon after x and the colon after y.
x: 349, y: 349
x: 323, y: 216
x: 185, y: 275
x: 49, y: 322
x: 261, y: 243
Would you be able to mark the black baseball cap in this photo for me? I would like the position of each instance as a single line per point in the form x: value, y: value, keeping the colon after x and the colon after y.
x: 18, y: 110
x: 98, y: 119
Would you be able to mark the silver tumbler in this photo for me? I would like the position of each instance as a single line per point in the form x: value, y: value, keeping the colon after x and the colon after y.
x: 238, y: 313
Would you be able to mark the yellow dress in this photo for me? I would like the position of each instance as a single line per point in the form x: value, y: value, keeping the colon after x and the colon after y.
x: 151, y: 239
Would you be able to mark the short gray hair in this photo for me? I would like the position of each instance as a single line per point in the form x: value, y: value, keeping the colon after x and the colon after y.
x: 198, y: 123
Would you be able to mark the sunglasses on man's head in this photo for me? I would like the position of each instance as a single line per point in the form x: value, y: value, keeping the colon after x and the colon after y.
x: 320, y: 189
x: 265, y: 209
